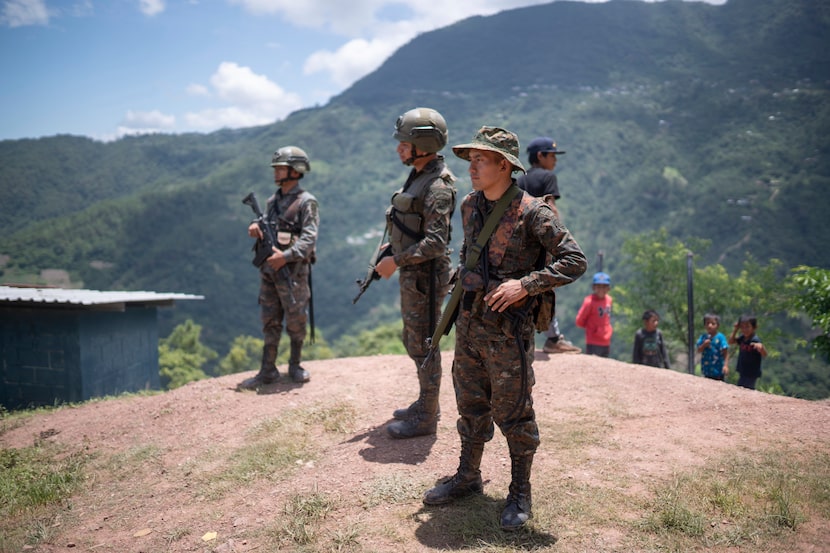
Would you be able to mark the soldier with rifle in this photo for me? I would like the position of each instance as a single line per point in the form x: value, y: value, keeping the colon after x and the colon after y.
x: 506, y: 234
x: 284, y: 251
x: 418, y: 225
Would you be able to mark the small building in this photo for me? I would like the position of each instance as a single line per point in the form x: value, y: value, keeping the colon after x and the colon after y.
x: 59, y: 345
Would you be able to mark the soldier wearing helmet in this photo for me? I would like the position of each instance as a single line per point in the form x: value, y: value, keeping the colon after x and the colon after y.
x: 418, y: 224
x: 293, y: 215
x: 528, y: 253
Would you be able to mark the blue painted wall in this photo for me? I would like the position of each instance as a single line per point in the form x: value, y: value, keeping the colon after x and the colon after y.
x: 53, y: 356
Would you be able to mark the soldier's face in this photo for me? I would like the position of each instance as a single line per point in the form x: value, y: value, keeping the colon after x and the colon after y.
x: 487, y: 169
x: 281, y: 173
x: 406, y: 151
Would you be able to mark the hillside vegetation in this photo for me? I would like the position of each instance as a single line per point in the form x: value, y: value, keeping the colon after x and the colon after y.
x: 706, y: 121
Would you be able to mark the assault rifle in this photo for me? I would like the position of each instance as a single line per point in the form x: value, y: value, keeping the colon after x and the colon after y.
x: 269, y: 242
x: 372, y: 274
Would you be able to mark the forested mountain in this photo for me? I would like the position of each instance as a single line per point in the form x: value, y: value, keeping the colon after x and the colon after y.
x: 709, y: 121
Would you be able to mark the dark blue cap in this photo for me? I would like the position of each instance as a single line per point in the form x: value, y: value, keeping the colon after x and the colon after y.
x: 543, y: 144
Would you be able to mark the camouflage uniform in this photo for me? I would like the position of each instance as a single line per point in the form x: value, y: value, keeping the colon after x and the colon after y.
x: 488, y: 371
x: 298, y: 245
x: 424, y: 205
x: 492, y: 370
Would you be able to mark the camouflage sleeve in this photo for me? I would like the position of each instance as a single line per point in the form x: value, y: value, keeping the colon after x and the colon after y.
x: 438, y: 208
x: 567, y: 262
x: 307, y: 240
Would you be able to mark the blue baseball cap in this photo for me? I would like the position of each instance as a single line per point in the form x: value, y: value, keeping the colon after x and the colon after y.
x: 602, y: 278
x: 543, y: 144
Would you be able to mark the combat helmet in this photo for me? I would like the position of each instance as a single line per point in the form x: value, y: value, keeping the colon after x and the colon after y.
x: 423, y: 127
x: 293, y: 157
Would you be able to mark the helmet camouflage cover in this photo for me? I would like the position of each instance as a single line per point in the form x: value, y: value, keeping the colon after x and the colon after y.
x: 423, y: 127
x: 293, y: 157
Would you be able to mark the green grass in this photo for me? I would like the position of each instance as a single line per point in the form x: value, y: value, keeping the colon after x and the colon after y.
x: 274, y: 449
x: 34, y: 483
x: 759, y: 497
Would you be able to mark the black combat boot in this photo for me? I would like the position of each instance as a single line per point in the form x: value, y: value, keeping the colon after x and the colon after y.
x: 517, y: 508
x: 467, y: 481
x: 268, y: 373
x: 295, y: 371
x: 406, y: 412
x: 420, y: 418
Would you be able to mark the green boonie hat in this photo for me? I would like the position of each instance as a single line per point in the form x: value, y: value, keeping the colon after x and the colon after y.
x: 493, y: 139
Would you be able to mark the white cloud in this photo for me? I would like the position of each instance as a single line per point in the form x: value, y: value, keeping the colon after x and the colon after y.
x: 151, y: 7
x: 145, y: 122
x: 346, y: 18
x: 253, y: 99
x: 197, y: 90
x: 19, y: 13
x: 351, y: 61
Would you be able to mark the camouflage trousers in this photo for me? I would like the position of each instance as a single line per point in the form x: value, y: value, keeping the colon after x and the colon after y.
x: 415, y: 301
x: 275, y: 304
x: 489, y: 387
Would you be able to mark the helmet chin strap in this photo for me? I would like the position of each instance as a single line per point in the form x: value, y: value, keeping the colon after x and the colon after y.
x: 413, y: 156
x: 292, y: 175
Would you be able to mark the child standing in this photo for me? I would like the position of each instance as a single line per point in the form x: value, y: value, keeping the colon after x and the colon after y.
x: 649, y: 347
x: 595, y: 317
x: 714, y: 360
x: 750, y: 353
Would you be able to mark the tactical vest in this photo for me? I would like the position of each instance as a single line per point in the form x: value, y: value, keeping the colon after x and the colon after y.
x: 404, y: 218
x: 287, y: 226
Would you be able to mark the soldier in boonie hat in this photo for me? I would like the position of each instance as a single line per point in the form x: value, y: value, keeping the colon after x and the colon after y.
x: 493, y: 139
x: 506, y: 233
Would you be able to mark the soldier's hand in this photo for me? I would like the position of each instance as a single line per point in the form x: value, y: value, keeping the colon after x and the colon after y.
x: 277, y: 260
x: 254, y: 231
x: 386, y: 267
x: 507, y: 293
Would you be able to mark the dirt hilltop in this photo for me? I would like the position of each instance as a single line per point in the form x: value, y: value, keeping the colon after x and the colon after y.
x: 611, y: 432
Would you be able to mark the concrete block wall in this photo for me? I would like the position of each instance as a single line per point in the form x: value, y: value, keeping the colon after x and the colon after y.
x: 37, y: 355
x: 49, y: 357
x: 119, y: 352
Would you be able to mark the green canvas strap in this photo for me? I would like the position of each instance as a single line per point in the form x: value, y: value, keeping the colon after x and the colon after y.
x: 472, y: 259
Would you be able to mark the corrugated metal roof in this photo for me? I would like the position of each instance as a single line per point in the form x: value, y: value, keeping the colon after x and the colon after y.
x: 25, y: 296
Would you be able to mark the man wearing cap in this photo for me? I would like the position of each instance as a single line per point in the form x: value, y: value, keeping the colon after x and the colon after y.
x: 541, y: 181
x: 492, y: 370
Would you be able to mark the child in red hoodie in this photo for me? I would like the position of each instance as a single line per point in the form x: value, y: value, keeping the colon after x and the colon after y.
x: 595, y: 317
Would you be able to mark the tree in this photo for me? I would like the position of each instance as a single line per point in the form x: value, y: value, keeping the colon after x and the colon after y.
x: 182, y: 356
x: 810, y: 287
x: 244, y: 355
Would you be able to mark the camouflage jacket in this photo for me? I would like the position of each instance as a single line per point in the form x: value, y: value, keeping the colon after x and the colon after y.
x: 529, y: 244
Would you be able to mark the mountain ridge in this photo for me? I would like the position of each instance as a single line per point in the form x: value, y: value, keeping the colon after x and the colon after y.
x: 164, y: 212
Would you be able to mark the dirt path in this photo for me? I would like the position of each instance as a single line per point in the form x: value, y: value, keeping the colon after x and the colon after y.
x: 603, y: 423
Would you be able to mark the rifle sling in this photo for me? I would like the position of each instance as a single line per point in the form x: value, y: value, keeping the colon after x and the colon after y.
x: 472, y: 259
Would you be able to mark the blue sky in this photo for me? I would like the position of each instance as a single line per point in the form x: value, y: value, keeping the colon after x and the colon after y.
x: 110, y: 68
